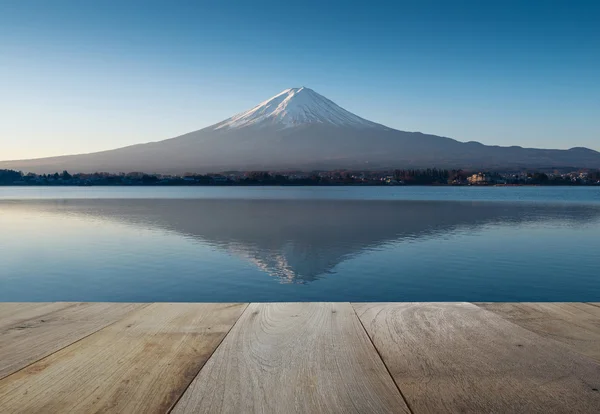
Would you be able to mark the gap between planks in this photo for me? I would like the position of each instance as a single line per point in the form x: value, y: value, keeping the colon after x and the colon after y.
x: 208, y: 359
x: 382, y: 360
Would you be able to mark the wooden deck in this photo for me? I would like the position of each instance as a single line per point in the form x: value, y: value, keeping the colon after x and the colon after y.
x: 300, y: 357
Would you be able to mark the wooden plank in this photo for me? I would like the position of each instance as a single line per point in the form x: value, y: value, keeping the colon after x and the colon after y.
x: 294, y: 357
x: 15, y: 312
x: 141, y: 364
x: 574, y: 324
x: 457, y: 357
x: 29, y: 332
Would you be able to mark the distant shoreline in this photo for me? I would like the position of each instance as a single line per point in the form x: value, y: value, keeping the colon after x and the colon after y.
x: 300, y: 185
x: 405, y: 177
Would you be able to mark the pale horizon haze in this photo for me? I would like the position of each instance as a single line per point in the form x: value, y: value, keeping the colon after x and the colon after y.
x: 78, y: 76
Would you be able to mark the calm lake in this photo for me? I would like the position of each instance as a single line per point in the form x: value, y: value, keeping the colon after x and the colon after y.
x: 299, y: 244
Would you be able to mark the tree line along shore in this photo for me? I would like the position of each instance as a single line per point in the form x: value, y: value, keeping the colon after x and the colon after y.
x: 429, y: 176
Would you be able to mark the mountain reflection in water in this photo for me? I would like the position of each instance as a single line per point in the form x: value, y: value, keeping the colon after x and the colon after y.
x: 303, y: 240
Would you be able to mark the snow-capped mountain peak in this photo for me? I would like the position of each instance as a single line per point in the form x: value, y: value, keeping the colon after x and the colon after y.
x: 294, y: 107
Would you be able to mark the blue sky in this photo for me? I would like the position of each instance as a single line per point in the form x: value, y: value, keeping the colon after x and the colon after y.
x: 81, y: 76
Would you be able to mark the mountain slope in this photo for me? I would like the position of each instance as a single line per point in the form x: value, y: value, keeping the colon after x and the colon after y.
x: 294, y: 107
x: 300, y: 129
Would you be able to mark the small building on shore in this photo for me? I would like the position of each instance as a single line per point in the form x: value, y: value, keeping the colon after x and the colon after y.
x: 480, y: 179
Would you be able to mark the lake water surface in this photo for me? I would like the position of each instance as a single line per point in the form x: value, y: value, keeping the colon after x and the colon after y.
x: 299, y: 244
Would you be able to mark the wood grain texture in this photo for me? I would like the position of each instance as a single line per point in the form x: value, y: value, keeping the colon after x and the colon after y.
x: 14, y: 312
x: 141, y: 364
x: 29, y: 332
x: 294, y: 357
x: 459, y: 358
x: 574, y: 324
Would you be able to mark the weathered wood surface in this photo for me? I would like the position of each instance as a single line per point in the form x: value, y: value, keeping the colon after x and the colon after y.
x: 141, y: 364
x: 294, y: 357
x: 299, y: 357
x: 14, y: 312
x: 574, y: 324
x: 457, y: 357
x: 31, y: 331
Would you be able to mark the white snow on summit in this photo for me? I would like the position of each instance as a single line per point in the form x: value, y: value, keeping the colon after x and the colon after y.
x: 294, y: 107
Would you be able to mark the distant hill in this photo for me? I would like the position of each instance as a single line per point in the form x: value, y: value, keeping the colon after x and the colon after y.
x: 301, y: 129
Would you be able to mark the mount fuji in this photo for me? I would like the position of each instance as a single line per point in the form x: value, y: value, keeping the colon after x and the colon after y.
x: 301, y: 129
